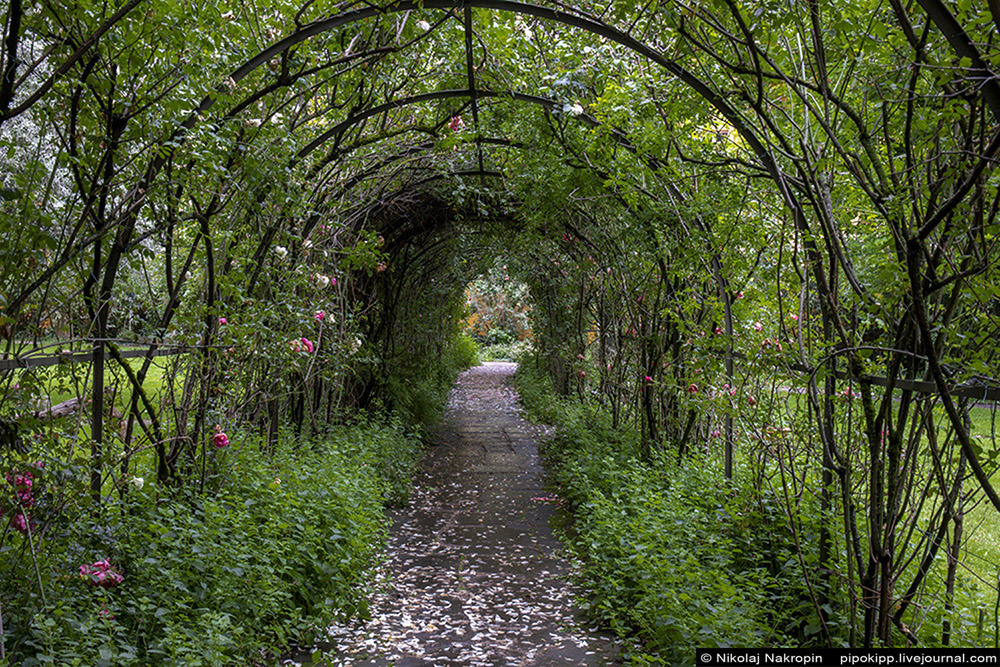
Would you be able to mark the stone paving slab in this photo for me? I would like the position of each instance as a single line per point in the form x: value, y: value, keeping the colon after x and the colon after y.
x: 474, y: 576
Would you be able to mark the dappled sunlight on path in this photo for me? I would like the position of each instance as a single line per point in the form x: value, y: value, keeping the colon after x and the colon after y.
x: 474, y: 575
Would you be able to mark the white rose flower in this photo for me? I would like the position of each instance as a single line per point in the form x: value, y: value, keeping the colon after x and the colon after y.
x: 281, y: 251
x: 423, y: 25
x: 137, y: 482
x: 322, y: 281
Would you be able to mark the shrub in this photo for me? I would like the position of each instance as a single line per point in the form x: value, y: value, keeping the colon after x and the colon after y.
x: 513, y: 351
x: 667, y: 559
x: 464, y: 352
x: 281, y: 549
x: 419, y: 388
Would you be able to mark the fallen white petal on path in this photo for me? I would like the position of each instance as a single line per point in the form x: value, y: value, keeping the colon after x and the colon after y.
x: 474, y: 576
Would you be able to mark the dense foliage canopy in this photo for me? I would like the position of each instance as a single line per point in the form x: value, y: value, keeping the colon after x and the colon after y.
x: 761, y: 235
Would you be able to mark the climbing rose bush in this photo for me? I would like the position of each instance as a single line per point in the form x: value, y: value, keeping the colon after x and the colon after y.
x: 101, y: 574
x: 23, y: 484
x: 20, y: 523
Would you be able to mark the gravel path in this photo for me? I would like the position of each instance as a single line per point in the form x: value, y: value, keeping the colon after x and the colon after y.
x: 474, y: 575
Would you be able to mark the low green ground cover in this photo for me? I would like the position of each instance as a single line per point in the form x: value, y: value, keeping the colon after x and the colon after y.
x: 669, y: 559
x: 249, y: 547
x: 274, y: 550
x: 676, y: 557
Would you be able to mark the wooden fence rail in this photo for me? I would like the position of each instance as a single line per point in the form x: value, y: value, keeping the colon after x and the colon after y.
x: 979, y: 390
x: 14, y: 363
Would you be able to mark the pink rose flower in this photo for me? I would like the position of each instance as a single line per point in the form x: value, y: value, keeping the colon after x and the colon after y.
x: 320, y: 315
x: 222, y: 321
x: 220, y: 440
x: 101, y: 574
x: 306, y: 344
x: 22, y: 483
x: 20, y: 523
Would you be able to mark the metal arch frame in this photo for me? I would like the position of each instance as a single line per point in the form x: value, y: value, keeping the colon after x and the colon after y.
x: 700, y: 87
x: 134, y: 201
x: 414, y: 150
x: 136, y: 198
x: 547, y: 103
x: 572, y: 20
x: 454, y: 93
x: 556, y: 16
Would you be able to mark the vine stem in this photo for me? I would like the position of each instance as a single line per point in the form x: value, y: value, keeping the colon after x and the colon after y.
x: 34, y: 555
x: 3, y: 647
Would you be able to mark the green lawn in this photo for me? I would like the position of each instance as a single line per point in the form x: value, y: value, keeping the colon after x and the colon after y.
x: 56, y: 384
x: 979, y: 568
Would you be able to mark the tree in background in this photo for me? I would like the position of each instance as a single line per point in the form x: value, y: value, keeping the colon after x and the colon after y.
x: 499, y: 308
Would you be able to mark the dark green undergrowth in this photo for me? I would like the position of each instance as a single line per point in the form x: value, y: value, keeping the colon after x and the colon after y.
x: 418, y: 386
x: 673, y: 558
x: 277, y: 546
x: 248, y: 549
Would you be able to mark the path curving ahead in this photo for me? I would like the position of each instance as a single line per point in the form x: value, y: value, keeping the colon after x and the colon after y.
x: 474, y: 574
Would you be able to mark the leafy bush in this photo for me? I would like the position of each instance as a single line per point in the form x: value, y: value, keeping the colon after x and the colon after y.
x: 668, y: 559
x: 419, y: 388
x: 276, y: 553
x: 513, y: 351
x: 464, y: 352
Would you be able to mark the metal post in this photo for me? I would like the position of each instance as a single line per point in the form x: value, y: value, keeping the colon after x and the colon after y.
x: 97, y: 422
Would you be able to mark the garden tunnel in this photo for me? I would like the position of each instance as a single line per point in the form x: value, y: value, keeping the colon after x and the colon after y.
x: 716, y: 206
